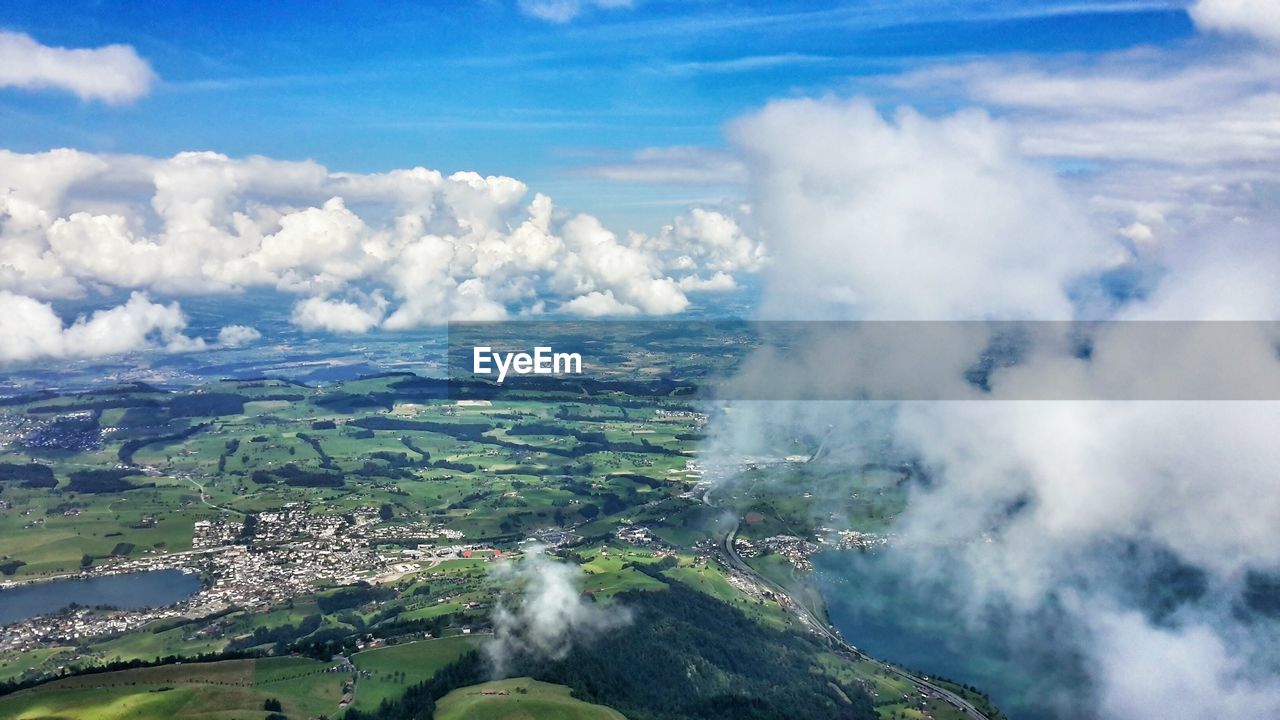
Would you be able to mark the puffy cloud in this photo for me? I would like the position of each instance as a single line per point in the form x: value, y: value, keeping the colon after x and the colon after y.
x: 103, y: 247
x: 237, y: 335
x: 719, y: 282
x: 562, y: 11
x: 1217, y: 271
x: 598, y: 304
x: 340, y: 316
x: 599, y: 263
x: 1033, y: 507
x: 547, y: 615
x: 1260, y: 18
x: 909, y: 217
x: 316, y: 247
x: 1039, y: 498
x: 439, y: 248
x: 43, y: 179
x: 424, y: 279
x: 112, y: 73
x: 31, y: 329
x: 715, y: 241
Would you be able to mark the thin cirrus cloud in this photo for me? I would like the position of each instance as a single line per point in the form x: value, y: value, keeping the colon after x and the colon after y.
x: 1173, y: 138
x: 1143, y: 105
x: 563, y: 11
x: 747, y: 63
x: 681, y: 165
x: 1173, y: 106
x: 114, y: 74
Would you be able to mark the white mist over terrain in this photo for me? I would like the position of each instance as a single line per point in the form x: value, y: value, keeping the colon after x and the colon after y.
x: 546, y: 614
x: 1067, y: 506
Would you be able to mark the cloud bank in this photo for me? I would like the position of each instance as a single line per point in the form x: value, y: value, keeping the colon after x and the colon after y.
x: 394, y: 250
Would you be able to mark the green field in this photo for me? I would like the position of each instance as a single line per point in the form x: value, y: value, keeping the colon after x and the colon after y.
x: 490, y: 471
x: 519, y: 699
x: 394, y: 668
x: 610, y: 571
x: 213, y: 691
x: 158, y: 703
x: 588, y: 470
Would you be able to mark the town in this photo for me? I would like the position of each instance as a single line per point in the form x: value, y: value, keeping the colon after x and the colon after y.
x: 263, y: 560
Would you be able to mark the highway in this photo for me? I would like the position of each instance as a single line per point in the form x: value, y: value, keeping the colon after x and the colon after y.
x: 807, y: 616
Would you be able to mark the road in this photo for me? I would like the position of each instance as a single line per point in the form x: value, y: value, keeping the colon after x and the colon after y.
x: 204, y: 498
x: 809, y: 618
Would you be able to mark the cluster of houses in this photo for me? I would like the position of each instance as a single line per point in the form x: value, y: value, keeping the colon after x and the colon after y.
x: 794, y: 550
x: 252, y: 563
x: 412, y: 529
x: 72, y: 625
x: 854, y: 540
x: 636, y: 535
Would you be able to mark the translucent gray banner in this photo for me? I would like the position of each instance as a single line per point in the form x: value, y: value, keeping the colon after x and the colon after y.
x: 739, y: 360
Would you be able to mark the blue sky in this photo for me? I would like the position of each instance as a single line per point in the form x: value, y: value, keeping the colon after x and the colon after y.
x: 486, y: 86
x: 1066, y: 159
x: 390, y: 166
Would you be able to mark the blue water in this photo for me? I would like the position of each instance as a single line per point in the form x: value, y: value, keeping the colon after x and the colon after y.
x: 1024, y: 666
x: 132, y: 591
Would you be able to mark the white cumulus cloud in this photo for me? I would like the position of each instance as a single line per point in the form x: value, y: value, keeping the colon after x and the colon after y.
x: 112, y: 73
x: 340, y: 316
x: 1260, y: 18
x: 907, y: 217
x: 237, y: 335
x: 437, y: 247
x: 30, y: 329
x: 598, y: 304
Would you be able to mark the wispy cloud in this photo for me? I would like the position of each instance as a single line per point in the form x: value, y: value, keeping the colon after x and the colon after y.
x: 563, y: 11
x: 747, y: 63
x: 869, y: 15
x: 680, y: 165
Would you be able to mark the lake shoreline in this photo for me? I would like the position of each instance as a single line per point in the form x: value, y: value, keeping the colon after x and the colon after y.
x: 119, y: 591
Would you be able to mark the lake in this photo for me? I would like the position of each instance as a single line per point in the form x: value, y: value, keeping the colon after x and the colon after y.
x: 881, y: 606
x: 131, y: 591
